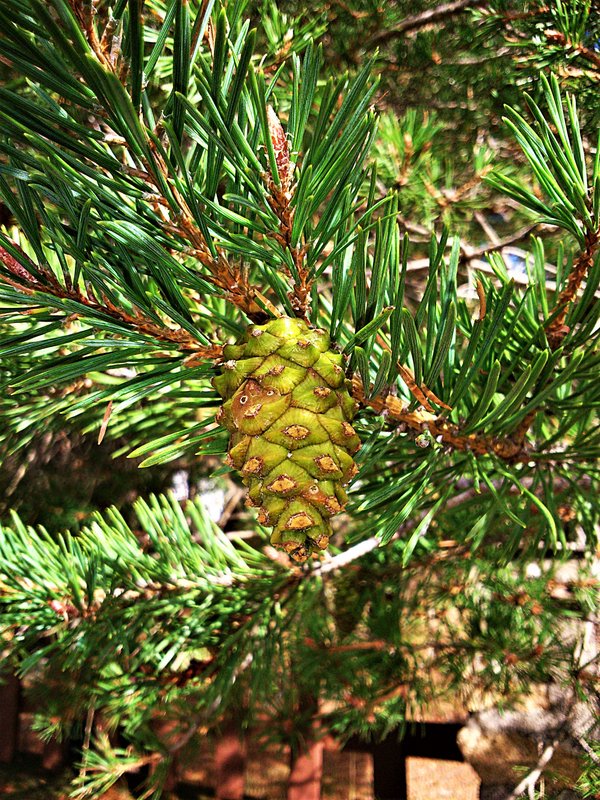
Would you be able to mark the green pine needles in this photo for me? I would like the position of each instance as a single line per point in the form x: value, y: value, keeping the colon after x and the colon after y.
x: 210, y: 254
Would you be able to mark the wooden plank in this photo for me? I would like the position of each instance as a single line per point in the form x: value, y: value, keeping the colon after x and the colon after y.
x: 230, y: 764
x: 306, y: 773
x: 347, y: 775
x: 9, y: 718
x: 434, y: 779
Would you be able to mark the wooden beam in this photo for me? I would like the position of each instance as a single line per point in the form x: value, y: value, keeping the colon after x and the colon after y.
x: 230, y: 763
x: 10, y: 691
x: 306, y: 772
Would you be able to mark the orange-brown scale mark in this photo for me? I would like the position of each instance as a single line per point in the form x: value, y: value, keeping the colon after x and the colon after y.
x: 326, y: 464
x: 320, y: 540
x: 254, y: 464
x: 333, y: 505
x: 296, y: 432
x: 299, y: 521
x: 282, y: 484
x: 318, y: 498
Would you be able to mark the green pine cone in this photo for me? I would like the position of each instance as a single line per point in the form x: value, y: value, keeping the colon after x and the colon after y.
x: 288, y: 411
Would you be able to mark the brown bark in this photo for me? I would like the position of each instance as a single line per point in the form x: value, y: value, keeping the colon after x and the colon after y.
x: 445, y: 432
x: 557, y: 330
x: 426, y: 18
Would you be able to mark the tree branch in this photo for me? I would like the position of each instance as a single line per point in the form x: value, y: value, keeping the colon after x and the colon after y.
x: 557, y: 330
x: 425, y: 18
x: 280, y: 194
x: 556, y: 37
x: 26, y: 282
x: 447, y: 433
x: 531, y: 779
x: 373, y: 542
x: 471, y: 253
x: 222, y: 273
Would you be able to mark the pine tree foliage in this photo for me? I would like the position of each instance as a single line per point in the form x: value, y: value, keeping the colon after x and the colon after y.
x: 208, y: 626
x: 174, y: 176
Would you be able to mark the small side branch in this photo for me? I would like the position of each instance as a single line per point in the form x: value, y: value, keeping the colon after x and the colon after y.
x: 177, y: 217
x: 347, y: 557
x: 447, y: 433
x: 556, y: 37
x: 84, y: 13
x: 469, y: 253
x: 532, y: 778
x: 425, y: 18
x: 557, y: 330
x: 25, y: 281
x: 280, y: 194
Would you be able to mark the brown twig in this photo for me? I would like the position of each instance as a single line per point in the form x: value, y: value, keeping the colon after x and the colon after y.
x: 557, y: 330
x: 26, y: 282
x: 280, y: 194
x: 222, y: 273
x: 443, y: 431
x: 421, y: 393
x: 84, y: 12
x: 425, y: 18
x: 531, y: 779
x: 469, y: 253
x: 557, y: 37
x: 511, y: 16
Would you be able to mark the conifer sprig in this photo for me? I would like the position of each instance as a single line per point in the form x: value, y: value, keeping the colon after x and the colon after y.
x: 172, y: 177
x: 161, y: 207
x: 208, y: 624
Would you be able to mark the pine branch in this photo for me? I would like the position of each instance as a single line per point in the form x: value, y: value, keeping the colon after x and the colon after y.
x: 224, y: 274
x: 441, y: 430
x: 84, y: 13
x: 25, y: 280
x: 470, y: 253
x: 425, y: 18
x: 281, y: 195
x: 231, y: 278
x: 529, y: 781
x: 557, y: 330
x: 466, y: 492
x: 555, y: 37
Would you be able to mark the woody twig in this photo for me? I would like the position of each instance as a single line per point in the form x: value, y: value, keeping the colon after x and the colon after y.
x: 24, y: 279
x: 280, y: 199
x: 557, y: 330
x: 443, y: 431
x: 177, y: 217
